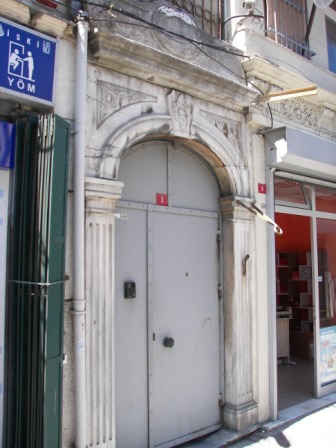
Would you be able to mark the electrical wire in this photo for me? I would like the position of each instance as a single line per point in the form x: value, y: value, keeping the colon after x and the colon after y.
x: 244, y: 79
x: 146, y: 24
x: 254, y: 16
x: 111, y: 8
x: 198, y: 45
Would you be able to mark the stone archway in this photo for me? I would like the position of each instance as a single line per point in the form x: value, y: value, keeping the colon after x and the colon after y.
x: 239, y: 406
x: 216, y: 138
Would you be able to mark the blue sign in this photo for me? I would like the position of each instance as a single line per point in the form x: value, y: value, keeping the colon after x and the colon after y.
x: 7, y: 144
x: 328, y: 355
x: 27, y: 62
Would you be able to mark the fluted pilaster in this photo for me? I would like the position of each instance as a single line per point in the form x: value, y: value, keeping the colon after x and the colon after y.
x: 101, y: 196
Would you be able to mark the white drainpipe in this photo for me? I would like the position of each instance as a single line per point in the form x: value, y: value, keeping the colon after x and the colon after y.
x: 79, y: 303
x: 272, y: 323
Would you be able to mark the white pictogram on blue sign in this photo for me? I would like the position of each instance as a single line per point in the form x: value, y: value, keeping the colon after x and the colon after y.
x: 20, y: 63
x: 30, y: 60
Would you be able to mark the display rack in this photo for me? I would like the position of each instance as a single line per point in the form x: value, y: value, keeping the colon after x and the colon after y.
x: 294, y: 298
x: 294, y: 286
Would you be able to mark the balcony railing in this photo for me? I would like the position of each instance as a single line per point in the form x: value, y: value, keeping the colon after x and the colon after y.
x: 285, y: 20
x: 286, y: 24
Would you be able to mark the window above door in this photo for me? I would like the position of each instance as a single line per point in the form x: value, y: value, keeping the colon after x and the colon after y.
x: 331, y: 42
x: 291, y: 193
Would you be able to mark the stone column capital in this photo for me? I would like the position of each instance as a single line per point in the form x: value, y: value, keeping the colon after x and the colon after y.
x: 231, y: 208
x: 101, y: 195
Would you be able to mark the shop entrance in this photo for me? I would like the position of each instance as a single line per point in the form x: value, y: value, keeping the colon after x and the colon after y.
x: 305, y: 289
x: 295, y: 335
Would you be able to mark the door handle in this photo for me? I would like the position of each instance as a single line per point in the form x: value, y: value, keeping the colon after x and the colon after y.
x: 168, y: 342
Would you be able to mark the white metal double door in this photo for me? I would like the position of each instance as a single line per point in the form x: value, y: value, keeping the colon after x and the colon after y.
x: 167, y: 390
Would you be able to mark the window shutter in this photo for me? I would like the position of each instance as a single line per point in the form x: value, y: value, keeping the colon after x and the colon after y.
x: 35, y: 298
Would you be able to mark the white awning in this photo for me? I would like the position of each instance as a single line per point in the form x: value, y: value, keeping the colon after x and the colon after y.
x: 300, y: 152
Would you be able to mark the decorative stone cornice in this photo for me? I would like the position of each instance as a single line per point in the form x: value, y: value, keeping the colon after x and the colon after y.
x: 135, y: 59
x: 190, y: 61
x: 270, y: 78
x: 315, y: 113
x: 259, y: 69
x: 188, y: 40
x: 299, y: 111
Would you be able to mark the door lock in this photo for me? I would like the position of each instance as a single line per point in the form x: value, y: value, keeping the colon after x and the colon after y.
x: 168, y: 342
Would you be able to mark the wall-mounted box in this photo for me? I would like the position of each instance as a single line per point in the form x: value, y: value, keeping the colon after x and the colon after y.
x: 129, y: 290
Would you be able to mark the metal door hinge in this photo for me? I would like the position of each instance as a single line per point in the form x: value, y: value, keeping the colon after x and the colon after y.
x: 221, y: 401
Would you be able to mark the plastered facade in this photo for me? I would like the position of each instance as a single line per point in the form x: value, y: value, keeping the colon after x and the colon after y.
x: 142, y: 87
x: 124, y: 110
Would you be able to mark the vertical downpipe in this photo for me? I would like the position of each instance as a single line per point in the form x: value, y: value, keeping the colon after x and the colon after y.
x: 79, y: 303
x: 272, y: 322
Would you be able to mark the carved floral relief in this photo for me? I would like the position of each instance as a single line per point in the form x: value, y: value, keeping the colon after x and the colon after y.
x: 112, y: 98
x: 181, y: 112
x: 230, y: 129
x: 301, y: 112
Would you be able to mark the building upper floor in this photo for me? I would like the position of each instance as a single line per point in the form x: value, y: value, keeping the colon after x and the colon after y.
x: 284, y: 43
x: 298, y: 35
x: 305, y: 27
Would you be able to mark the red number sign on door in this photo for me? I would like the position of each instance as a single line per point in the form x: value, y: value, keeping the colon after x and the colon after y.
x: 161, y: 199
x: 262, y: 188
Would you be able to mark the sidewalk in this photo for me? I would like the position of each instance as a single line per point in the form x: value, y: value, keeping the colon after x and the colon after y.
x: 317, y: 430
x: 311, y: 424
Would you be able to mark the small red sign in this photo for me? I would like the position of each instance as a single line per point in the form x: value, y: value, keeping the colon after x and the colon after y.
x: 161, y: 199
x: 262, y: 188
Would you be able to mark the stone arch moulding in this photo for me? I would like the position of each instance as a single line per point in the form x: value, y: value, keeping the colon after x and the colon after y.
x: 204, y: 138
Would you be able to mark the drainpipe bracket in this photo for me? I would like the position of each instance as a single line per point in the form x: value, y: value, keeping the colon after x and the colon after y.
x: 77, y: 312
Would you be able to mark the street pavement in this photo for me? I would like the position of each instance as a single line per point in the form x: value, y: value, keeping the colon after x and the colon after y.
x: 308, y: 425
x: 317, y: 430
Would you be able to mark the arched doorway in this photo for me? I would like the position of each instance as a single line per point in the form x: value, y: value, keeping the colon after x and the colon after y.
x: 167, y: 313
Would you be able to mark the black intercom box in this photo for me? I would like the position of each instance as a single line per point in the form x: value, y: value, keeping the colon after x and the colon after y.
x: 129, y: 290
